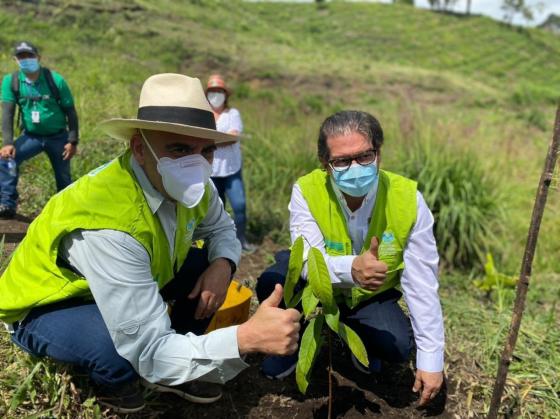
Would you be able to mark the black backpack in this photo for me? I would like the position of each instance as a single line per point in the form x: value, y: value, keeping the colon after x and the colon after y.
x: 50, y: 82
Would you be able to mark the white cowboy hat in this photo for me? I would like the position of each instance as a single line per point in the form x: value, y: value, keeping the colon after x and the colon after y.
x: 171, y: 103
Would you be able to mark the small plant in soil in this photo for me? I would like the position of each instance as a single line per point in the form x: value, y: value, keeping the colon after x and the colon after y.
x: 319, y: 308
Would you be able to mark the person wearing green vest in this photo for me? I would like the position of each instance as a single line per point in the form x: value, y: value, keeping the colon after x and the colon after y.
x: 47, y: 116
x: 107, y: 278
x: 376, y: 233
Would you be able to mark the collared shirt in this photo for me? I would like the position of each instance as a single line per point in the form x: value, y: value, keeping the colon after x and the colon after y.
x: 117, y: 268
x: 419, y: 279
x: 227, y: 159
x: 36, y: 96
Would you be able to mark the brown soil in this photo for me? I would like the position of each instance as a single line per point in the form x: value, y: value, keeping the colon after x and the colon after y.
x: 355, y: 395
x: 12, y: 232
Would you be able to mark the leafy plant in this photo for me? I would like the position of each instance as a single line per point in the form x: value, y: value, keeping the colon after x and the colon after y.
x: 495, y: 282
x: 319, y: 307
x: 494, y: 279
x: 463, y: 199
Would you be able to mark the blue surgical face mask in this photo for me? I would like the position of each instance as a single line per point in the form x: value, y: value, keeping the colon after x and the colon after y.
x: 29, y: 65
x: 357, y: 180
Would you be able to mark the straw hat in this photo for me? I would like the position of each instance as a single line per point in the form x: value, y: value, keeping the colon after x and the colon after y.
x: 171, y: 103
x: 215, y: 81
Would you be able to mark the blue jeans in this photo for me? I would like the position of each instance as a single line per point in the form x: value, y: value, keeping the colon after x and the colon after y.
x: 379, y: 321
x: 74, y: 332
x: 28, y: 146
x: 232, y: 188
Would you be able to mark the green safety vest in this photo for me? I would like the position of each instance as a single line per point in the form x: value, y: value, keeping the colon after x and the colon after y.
x: 393, y: 217
x: 109, y: 197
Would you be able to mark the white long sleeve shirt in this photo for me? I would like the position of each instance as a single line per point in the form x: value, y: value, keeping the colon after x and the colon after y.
x: 117, y: 268
x: 419, y: 279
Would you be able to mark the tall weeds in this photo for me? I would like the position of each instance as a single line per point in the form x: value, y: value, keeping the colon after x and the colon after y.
x: 464, y: 201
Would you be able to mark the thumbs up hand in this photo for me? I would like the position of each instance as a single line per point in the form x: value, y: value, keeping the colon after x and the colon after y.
x: 367, y: 270
x: 271, y: 330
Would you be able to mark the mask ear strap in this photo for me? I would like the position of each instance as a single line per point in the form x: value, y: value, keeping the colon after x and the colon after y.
x: 148, y: 144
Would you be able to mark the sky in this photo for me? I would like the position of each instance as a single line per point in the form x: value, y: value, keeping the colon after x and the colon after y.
x: 492, y: 8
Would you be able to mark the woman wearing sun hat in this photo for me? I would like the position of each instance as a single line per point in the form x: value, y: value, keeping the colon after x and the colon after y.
x: 226, y: 167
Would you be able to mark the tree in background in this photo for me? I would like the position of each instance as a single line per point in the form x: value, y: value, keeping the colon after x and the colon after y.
x: 409, y: 2
x: 468, y: 7
x: 514, y: 7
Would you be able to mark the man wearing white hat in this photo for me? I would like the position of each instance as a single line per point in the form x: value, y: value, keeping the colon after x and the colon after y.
x: 92, y: 282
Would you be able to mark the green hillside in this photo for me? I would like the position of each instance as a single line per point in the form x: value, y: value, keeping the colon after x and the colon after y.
x: 451, y: 92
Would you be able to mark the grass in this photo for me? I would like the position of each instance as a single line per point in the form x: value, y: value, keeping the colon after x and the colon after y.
x: 464, y: 202
x: 476, y: 326
x: 476, y: 89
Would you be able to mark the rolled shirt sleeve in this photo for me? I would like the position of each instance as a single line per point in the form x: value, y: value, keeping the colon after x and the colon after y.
x: 117, y: 268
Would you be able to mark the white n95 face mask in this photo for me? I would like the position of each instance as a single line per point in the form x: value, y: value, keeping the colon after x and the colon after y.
x: 185, y: 178
x: 216, y: 99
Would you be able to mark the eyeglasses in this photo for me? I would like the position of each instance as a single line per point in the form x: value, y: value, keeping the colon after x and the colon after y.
x: 342, y: 164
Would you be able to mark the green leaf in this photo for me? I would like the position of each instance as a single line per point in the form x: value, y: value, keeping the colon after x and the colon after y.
x: 333, y: 319
x: 354, y: 343
x: 20, y: 392
x: 311, y: 342
x: 296, y: 299
x: 319, y: 278
x: 493, y: 279
x: 89, y: 402
x: 295, y: 266
x: 308, y: 300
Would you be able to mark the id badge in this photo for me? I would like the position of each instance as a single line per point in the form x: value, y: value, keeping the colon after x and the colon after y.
x: 35, y: 118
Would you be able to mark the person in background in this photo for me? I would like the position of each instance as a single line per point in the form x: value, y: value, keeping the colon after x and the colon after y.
x: 226, y: 168
x: 48, y: 119
x: 376, y: 233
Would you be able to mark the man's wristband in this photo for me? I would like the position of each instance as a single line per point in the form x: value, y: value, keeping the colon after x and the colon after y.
x: 73, y: 142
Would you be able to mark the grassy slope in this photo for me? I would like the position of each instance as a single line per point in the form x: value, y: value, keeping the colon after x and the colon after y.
x: 471, y: 83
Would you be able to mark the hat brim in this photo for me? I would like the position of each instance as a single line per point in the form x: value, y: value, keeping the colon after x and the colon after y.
x: 123, y: 129
x: 225, y: 89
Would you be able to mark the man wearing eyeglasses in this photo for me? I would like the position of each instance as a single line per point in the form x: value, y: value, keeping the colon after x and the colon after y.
x: 376, y: 233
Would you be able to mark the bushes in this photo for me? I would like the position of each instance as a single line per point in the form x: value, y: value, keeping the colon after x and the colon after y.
x: 464, y: 201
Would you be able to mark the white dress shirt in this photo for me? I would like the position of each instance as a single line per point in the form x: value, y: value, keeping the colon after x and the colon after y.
x: 419, y: 279
x: 118, y: 271
x: 227, y: 159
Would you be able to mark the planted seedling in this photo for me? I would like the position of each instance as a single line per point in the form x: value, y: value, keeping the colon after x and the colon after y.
x: 319, y: 308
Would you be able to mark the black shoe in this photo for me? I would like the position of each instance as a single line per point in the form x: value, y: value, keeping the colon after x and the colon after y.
x: 193, y: 391
x: 6, y: 212
x: 127, y: 398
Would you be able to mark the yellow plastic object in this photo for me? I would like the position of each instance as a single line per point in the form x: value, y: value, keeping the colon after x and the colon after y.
x: 234, y: 310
